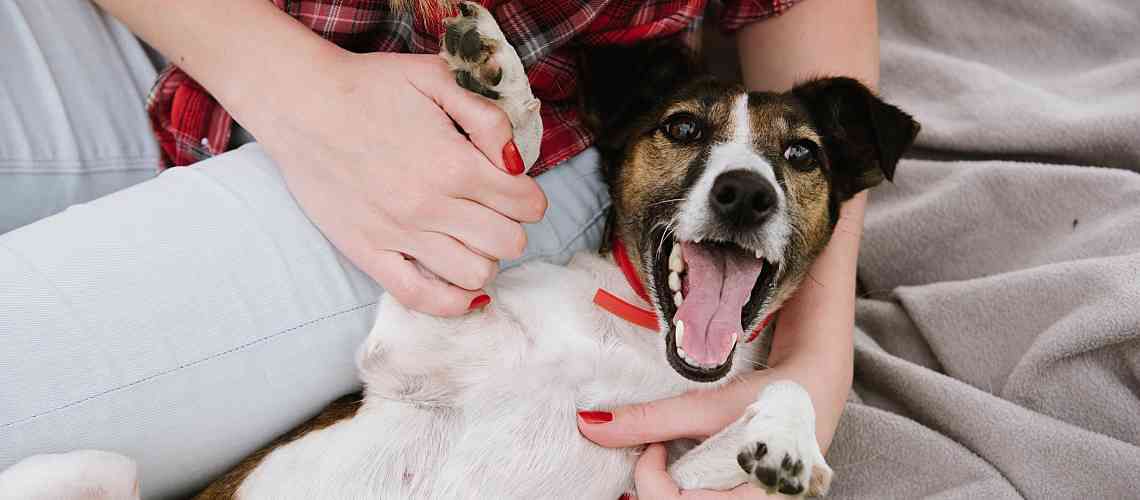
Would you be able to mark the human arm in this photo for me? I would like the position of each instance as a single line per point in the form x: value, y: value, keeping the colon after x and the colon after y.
x: 365, y: 142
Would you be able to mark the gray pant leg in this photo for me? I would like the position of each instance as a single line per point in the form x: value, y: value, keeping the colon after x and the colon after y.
x: 73, y: 82
x: 188, y: 320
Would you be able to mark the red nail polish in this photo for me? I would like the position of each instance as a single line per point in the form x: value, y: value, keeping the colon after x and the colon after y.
x: 479, y: 302
x: 624, y: 496
x: 596, y: 417
x: 512, y: 159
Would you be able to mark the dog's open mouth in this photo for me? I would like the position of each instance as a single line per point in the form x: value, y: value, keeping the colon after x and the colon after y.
x: 713, y: 290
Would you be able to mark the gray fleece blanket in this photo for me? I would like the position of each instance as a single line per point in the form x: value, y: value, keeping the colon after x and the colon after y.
x: 998, y: 343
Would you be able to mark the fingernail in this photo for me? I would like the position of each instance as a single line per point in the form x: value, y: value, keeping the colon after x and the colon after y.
x: 596, y: 417
x: 512, y: 159
x: 624, y: 496
x: 479, y: 302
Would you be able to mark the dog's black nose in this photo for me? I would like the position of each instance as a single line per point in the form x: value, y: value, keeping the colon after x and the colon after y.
x: 742, y: 199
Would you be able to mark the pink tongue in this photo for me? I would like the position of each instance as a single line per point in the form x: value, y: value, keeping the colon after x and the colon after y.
x: 719, y: 284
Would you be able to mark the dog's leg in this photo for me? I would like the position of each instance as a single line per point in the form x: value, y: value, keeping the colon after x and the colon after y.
x: 485, y: 63
x: 772, y: 445
x: 78, y: 475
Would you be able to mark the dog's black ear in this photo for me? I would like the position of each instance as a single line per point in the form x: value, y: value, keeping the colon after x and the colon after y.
x: 863, y: 136
x: 620, y: 83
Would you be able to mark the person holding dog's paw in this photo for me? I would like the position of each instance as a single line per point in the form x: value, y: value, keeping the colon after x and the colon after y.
x: 414, y: 181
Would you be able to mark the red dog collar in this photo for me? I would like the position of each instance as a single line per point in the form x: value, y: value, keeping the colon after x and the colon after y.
x: 641, y: 316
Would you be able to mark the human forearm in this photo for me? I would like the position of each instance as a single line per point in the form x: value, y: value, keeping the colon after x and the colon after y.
x: 814, y: 341
x: 814, y: 38
x: 247, y: 53
x: 814, y: 337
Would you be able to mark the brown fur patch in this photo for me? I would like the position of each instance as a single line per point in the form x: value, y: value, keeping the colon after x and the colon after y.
x: 811, y: 227
x: 807, y: 192
x: 226, y: 487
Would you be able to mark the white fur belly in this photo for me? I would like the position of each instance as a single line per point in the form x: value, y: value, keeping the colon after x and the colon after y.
x: 366, y: 457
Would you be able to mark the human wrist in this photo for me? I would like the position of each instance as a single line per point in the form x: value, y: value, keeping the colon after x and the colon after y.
x: 273, y: 89
x: 252, y: 57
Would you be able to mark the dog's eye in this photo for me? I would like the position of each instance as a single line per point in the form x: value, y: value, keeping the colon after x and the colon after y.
x: 801, y: 154
x: 683, y: 127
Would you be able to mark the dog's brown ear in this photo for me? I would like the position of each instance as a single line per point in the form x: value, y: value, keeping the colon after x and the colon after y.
x: 863, y: 136
x: 619, y: 83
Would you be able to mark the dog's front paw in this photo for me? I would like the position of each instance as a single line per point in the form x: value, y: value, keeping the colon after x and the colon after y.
x: 789, y: 475
x: 780, y: 453
x: 470, y: 53
x: 484, y: 62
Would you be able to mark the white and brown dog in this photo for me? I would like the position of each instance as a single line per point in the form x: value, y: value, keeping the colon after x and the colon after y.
x: 721, y: 200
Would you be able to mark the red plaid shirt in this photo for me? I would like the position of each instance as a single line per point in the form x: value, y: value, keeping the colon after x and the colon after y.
x: 191, y: 125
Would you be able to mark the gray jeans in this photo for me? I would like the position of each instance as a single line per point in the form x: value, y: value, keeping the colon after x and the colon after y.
x: 185, y: 320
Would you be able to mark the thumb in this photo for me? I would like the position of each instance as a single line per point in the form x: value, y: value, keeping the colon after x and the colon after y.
x: 684, y: 416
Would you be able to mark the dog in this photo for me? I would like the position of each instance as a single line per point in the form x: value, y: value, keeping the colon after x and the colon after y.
x: 722, y: 199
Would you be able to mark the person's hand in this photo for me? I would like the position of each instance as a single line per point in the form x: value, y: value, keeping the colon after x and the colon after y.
x: 696, y: 415
x: 652, y: 480
x: 371, y: 153
x: 366, y: 143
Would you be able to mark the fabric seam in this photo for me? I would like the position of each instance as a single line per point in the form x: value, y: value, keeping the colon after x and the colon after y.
x: 190, y: 364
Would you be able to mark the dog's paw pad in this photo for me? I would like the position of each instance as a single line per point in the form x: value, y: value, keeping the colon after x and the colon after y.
x: 484, y: 62
x: 748, y: 456
x: 775, y: 468
x: 470, y: 45
x: 463, y: 40
x: 468, y: 81
x: 467, y: 10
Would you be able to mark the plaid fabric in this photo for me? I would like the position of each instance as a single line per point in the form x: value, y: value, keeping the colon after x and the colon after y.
x: 191, y: 125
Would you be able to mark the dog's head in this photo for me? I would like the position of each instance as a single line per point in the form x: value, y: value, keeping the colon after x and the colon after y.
x: 723, y: 197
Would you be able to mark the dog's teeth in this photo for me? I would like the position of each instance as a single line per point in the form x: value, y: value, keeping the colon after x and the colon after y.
x: 680, y: 335
x: 735, y: 337
x: 699, y: 240
x: 674, y: 281
x: 676, y: 263
x: 678, y: 299
x: 759, y: 255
